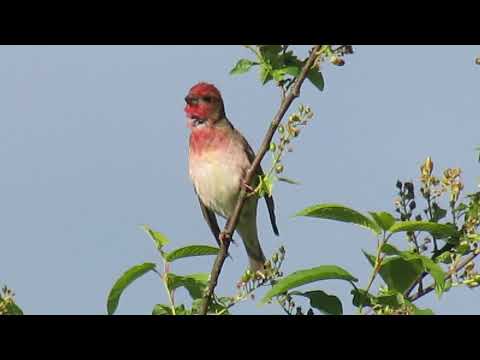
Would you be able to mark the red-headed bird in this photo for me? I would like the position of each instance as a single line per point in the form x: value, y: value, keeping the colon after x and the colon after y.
x: 219, y: 157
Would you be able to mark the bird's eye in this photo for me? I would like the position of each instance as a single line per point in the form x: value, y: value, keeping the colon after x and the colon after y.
x: 191, y: 100
x: 207, y: 99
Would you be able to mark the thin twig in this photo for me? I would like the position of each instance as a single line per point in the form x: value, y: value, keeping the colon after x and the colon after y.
x: 233, y: 220
x: 430, y: 288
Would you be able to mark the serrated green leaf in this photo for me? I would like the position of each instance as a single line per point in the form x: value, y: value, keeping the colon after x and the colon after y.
x: 302, y: 277
x: 438, y: 230
x: 242, y: 66
x: 383, y: 219
x: 340, y: 213
x: 190, y: 251
x: 316, y: 78
x: 123, y: 282
x: 194, y: 283
x: 159, y: 239
x: 327, y: 304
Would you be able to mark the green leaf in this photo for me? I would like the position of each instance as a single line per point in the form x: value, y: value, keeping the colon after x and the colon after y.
x: 383, y: 219
x: 399, y: 274
x: 437, y: 273
x: 159, y: 239
x: 438, y: 213
x: 287, y: 180
x: 190, y: 251
x: 371, y: 259
x: 123, y: 282
x: 438, y: 230
x: 327, y: 304
x: 423, y: 311
x: 242, y: 66
x: 265, y: 186
x: 316, y: 78
x: 302, y: 277
x: 293, y: 70
x: 340, y: 213
x: 391, y: 298
x: 265, y: 73
x: 278, y: 74
x: 269, y: 51
x: 216, y: 308
x: 194, y: 283
x: 445, y: 257
x: 390, y: 250
x: 10, y: 307
x: 361, y: 298
x: 161, y: 309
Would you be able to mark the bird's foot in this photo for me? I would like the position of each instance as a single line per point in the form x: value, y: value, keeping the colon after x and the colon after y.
x: 224, y: 237
x: 250, y: 190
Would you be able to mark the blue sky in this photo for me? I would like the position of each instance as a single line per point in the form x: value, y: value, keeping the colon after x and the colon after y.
x: 93, y: 143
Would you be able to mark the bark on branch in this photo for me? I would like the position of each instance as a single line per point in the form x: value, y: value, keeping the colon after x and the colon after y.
x: 233, y: 220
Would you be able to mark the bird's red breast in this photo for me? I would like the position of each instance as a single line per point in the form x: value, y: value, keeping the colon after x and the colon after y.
x: 208, y: 138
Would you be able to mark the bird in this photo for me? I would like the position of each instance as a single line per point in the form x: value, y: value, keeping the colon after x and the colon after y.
x: 218, y: 159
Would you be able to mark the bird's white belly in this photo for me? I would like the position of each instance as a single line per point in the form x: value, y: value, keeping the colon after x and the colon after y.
x: 217, y: 184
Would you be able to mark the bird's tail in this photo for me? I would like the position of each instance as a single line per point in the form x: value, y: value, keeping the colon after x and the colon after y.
x: 247, y: 230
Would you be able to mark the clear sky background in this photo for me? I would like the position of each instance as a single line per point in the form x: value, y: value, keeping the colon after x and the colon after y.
x: 93, y: 143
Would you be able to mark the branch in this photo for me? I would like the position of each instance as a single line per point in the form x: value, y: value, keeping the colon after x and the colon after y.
x: 233, y: 220
x: 430, y: 288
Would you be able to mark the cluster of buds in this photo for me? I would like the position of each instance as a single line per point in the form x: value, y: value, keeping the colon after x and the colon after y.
x: 250, y: 281
x: 390, y: 310
x: 287, y: 132
x: 470, y: 277
x: 451, y: 182
x: 6, y: 300
x: 429, y: 189
x: 335, y: 55
x: 405, y: 202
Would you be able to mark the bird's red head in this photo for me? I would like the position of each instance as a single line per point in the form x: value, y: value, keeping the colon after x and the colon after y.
x: 204, y: 103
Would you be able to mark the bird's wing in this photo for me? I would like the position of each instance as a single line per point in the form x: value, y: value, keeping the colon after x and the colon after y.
x: 211, y: 220
x: 268, y: 199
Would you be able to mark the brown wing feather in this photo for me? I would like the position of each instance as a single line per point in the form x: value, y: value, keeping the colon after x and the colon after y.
x: 211, y: 220
x: 268, y: 199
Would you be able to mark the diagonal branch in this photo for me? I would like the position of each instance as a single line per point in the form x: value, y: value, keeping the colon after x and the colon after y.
x: 233, y: 220
x: 430, y: 288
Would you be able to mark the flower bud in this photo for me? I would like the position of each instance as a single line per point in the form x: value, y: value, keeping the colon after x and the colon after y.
x: 336, y: 60
x: 412, y: 205
x: 399, y: 185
